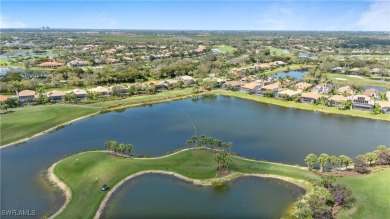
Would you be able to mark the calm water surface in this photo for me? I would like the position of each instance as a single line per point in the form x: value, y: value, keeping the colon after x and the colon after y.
x: 257, y: 130
x: 295, y: 74
x: 161, y: 196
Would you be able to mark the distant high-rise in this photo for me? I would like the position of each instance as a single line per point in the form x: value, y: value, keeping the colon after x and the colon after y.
x: 45, y: 28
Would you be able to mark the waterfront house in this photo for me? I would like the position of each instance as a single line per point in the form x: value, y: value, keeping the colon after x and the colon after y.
x: 51, y: 64
x: 362, y: 102
x: 287, y: 92
x: 80, y: 93
x: 26, y: 96
x: 372, y: 93
x: 119, y: 89
x: 3, y: 98
x: 385, y: 106
x: 311, y: 98
x: 272, y: 88
x: 337, y: 69
x: 56, y: 96
x: 375, y: 71
x: 187, y: 79
x: 303, y: 85
x: 170, y: 82
x: 100, y: 91
x: 337, y: 100
x: 160, y: 86
x: 251, y: 87
x: 232, y: 85
x: 388, y: 95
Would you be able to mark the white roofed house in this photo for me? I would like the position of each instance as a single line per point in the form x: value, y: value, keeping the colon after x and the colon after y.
x: 271, y: 88
x: 287, y: 94
x: 303, y: 86
x: 321, y: 89
x: 77, y: 63
x: 100, y: 91
x: 346, y: 91
x: 362, y: 102
x: 26, y: 96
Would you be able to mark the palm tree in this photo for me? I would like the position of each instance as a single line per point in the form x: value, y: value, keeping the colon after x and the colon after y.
x: 129, y: 147
x: 263, y: 77
x: 194, y: 139
x: 310, y: 160
x: 189, y: 143
x: 333, y: 160
x: 356, y: 89
x: 121, y: 148
x: 323, y: 160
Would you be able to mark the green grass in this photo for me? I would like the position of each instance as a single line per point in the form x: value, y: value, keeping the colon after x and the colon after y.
x: 26, y: 121
x: 85, y: 173
x: 371, y: 193
x: 304, y: 106
x: 359, y: 81
x: 293, y: 67
x: 226, y: 48
x: 279, y: 52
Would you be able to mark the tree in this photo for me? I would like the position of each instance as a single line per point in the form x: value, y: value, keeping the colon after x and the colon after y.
x: 223, y: 159
x: 263, y: 77
x: 122, y: 148
x: 189, y: 143
x: 110, y: 145
x: 327, y: 181
x: 370, y: 157
x: 4, y: 107
x: 194, y: 139
x: 318, y: 200
x: 310, y: 160
x: 129, y: 148
x: 360, y: 165
x: 356, y: 89
x: 333, y: 160
x: 341, y: 194
x: 344, y: 160
x: 12, y: 102
x: 302, y: 210
x: 323, y: 160
x: 384, y: 157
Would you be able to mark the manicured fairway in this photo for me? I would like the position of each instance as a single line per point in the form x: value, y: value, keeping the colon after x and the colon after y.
x: 26, y: 121
x: 372, y: 194
x: 85, y: 173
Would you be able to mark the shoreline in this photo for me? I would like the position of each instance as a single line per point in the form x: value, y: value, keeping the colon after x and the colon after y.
x: 200, y: 182
x: 180, y: 97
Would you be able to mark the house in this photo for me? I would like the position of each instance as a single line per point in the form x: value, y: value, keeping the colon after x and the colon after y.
x: 337, y: 100
x: 111, y: 60
x: 388, y: 95
x: 100, y: 91
x: 385, y: 106
x: 56, y: 96
x: 346, y: 90
x: 77, y: 63
x: 375, y: 71
x: 26, y: 96
x: 272, y: 88
x: 287, y: 92
x: 337, y: 69
x: 320, y: 89
x: 310, y: 98
x: 355, y: 71
x: 119, y: 89
x: 232, y: 85
x: 51, y: 64
x: 170, y: 82
x: 160, y: 86
x: 362, y: 102
x: 80, y: 93
x: 187, y: 79
x: 251, y: 87
x: 372, y: 93
x: 3, y: 98
x: 303, y: 85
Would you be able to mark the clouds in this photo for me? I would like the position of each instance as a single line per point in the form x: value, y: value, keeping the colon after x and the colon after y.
x: 377, y: 18
x: 5, y: 23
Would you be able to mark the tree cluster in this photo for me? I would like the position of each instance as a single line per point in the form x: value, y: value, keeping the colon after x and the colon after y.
x: 115, y: 147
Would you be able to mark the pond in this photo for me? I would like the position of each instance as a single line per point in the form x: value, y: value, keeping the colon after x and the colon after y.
x: 298, y: 75
x: 305, y: 55
x: 375, y: 87
x: 162, y: 196
x: 20, y: 53
x: 257, y: 130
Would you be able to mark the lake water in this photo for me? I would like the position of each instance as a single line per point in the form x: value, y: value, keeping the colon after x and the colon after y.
x: 162, y: 196
x: 375, y: 87
x: 305, y: 55
x: 20, y: 53
x: 295, y: 74
x: 257, y: 130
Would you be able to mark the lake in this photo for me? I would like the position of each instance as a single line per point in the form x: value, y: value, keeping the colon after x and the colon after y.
x: 257, y: 130
x: 298, y: 75
x: 305, y: 55
x: 379, y: 88
x: 245, y: 197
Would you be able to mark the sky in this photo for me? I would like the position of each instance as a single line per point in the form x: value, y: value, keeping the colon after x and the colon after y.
x: 327, y: 15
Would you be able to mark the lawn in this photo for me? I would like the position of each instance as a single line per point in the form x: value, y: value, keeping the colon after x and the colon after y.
x: 226, y: 48
x: 26, y: 121
x: 303, y: 106
x: 357, y: 79
x: 293, y: 67
x: 85, y: 173
x: 372, y: 195
x: 279, y: 52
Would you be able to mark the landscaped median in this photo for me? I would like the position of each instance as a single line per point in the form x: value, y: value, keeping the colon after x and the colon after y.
x: 85, y: 173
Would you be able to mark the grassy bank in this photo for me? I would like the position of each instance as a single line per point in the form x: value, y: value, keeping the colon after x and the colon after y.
x: 85, y: 173
x: 293, y: 67
x: 371, y: 193
x: 27, y: 121
x: 303, y: 106
x: 357, y: 79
